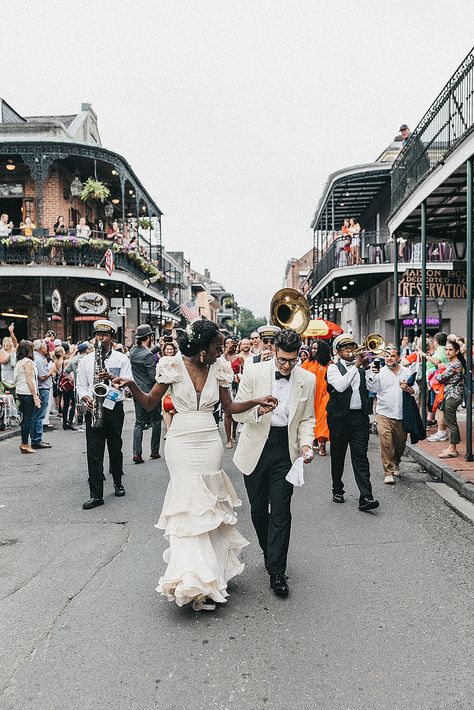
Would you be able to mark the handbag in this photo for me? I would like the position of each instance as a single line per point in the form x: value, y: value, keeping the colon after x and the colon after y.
x: 65, y: 384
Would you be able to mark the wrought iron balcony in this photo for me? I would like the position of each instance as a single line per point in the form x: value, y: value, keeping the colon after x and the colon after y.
x: 72, y: 251
x: 448, y: 121
x: 378, y: 248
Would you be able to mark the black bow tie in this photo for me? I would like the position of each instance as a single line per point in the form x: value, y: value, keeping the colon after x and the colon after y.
x: 279, y: 376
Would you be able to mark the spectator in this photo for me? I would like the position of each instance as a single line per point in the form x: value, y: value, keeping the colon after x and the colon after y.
x: 26, y: 384
x: 169, y: 350
x: 317, y: 363
x: 27, y: 227
x: 45, y: 372
x: 256, y: 342
x: 432, y: 362
x: 8, y: 361
x: 452, y: 378
x: 114, y: 234
x: 71, y: 369
x: 59, y: 227
x: 354, y: 231
x: 5, y: 226
x: 83, y: 231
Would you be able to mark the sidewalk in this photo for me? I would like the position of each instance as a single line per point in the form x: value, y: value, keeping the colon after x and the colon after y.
x: 9, y: 433
x: 457, y: 473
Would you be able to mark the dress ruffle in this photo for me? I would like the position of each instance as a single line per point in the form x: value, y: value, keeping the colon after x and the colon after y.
x: 198, y: 520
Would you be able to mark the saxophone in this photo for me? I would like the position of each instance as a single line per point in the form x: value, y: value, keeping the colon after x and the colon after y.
x: 99, y: 388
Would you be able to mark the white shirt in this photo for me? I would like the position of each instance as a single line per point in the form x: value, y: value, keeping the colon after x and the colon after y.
x: 342, y: 382
x: 281, y: 389
x: 117, y: 364
x: 386, y: 385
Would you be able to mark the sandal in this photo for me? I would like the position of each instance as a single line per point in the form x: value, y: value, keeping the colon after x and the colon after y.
x: 446, y: 455
x: 229, y: 445
x: 322, y: 449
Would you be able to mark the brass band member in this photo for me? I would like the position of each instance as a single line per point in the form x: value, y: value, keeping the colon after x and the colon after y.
x: 104, y: 416
x: 348, y: 420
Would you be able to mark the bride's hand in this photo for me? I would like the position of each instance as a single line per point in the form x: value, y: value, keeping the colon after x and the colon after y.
x: 266, y: 404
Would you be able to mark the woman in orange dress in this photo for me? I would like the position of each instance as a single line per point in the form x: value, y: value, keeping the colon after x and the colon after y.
x: 318, y: 364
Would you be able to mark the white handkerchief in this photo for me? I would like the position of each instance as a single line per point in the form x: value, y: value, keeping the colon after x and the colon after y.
x: 295, y: 474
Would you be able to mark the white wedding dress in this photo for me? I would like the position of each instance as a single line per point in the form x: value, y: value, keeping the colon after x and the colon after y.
x: 197, y: 515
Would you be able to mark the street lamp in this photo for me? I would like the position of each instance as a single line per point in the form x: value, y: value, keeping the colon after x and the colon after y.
x: 109, y: 210
x: 76, y: 187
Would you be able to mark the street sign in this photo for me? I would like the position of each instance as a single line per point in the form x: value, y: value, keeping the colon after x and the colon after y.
x: 121, y: 311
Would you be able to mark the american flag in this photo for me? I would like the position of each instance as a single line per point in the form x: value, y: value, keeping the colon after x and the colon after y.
x: 109, y: 261
x: 189, y: 311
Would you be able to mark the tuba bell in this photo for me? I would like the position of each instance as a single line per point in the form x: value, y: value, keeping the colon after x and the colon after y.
x: 290, y: 309
x: 373, y: 343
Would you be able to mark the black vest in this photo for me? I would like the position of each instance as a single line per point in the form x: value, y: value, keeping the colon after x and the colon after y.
x: 340, y: 402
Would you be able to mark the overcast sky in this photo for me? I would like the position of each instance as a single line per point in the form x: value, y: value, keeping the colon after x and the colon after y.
x: 233, y: 112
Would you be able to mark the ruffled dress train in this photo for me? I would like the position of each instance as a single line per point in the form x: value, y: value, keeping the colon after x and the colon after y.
x: 198, y: 515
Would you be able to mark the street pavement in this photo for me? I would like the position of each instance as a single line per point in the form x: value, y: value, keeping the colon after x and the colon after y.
x: 380, y: 612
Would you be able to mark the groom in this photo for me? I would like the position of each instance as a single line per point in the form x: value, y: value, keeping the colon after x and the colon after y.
x: 269, y: 444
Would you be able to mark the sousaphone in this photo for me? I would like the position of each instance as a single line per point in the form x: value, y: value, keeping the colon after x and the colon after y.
x: 290, y: 309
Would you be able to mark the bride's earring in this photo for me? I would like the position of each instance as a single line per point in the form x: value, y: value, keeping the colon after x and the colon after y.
x: 202, y: 356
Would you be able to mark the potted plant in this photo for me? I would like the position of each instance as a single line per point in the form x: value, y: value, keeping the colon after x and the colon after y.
x: 94, y: 190
x: 144, y: 223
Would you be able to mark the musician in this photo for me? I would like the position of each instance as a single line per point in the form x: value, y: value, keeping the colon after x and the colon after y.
x: 109, y: 427
x: 269, y: 445
x: 267, y: 334
x: 348, y: 420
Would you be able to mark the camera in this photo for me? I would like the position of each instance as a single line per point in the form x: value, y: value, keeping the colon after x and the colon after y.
x: 167, y: 338
x: 376, y: 365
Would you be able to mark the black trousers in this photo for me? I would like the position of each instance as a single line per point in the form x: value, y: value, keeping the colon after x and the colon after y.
x: 110, y: 432
x: 270, y: 498
x: 351, y: 430
x: 69, y: 407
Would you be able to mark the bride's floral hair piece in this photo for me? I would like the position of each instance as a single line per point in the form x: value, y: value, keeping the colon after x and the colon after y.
x: 198, y: 336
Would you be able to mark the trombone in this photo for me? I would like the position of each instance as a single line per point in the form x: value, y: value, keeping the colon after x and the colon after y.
x: 374, y: 344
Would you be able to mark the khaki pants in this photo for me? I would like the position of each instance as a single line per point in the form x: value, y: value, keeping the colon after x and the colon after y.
x: 392, y: 442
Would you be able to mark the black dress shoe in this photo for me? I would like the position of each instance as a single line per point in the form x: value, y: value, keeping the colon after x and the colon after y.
x: 137, y: 459
x: 366, y: 503
x: 279, y: 584
x: 41, y: 445
x: 93, y: 503
x: 338, y: 497
x: 119, y: 491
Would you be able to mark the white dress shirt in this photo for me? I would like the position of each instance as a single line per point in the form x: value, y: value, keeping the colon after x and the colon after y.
x: 341, y: 382
x: 281, y: 389
x: 386, y: 385
x: 117, y: 364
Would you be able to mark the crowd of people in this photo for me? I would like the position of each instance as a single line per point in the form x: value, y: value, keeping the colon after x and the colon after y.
x: 125, y: 235
x: 281, y: 402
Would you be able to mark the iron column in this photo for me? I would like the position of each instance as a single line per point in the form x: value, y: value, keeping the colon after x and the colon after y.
x: 469, y: 295
x: 423, y: 310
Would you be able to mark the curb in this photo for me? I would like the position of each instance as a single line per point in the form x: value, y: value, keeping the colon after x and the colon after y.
x: 4, y: 435
x: 444, y: 474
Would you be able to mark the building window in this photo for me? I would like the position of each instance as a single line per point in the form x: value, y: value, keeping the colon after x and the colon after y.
x: 349, y: 326
x: 29, y: 209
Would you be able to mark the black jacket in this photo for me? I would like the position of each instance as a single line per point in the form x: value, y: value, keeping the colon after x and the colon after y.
x: 412, y: 422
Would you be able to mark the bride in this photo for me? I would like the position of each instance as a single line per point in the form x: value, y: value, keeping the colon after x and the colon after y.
x: 198, y: 516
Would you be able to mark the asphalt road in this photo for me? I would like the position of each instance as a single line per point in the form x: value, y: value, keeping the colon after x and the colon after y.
x: 380, y: 614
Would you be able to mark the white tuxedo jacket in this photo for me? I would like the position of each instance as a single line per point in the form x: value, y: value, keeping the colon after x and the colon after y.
x: 257, y: 382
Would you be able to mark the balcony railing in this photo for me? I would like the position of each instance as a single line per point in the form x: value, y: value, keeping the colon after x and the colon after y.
x: 449, y: 119
x: 378, y: 248
x: 72, y: 251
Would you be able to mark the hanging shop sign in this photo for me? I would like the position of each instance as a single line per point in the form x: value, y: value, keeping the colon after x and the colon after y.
x: 79, y: 319
x: 91, y: 303
x: 412, y: 322
x: 56, y: 301
x: 439, y: 284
